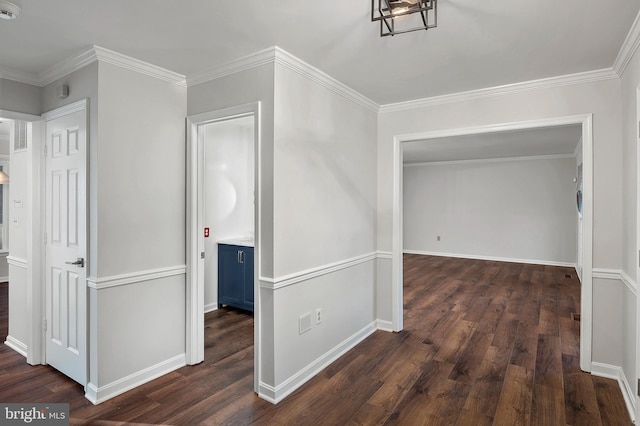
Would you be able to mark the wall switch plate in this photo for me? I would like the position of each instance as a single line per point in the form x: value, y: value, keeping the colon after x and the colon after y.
x: 318, y: 316
x: 304, y: 323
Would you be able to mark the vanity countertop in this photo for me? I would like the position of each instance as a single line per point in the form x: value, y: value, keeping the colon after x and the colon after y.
x: 238, y: 241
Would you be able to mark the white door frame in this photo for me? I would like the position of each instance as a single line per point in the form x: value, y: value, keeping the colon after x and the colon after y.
x: 195, y: 223
x: 637, y: 348
x: 585, y: 120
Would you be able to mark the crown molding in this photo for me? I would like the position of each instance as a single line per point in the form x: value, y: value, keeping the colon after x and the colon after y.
x: 526, y: 86
x: 279, y: 56
x: 286, y: 59
x: 628, y: 48
x: 19, y: 76
x: 92, y: 54
x: 67, y: 66
x: 254, y: 60
x: 123, y: 61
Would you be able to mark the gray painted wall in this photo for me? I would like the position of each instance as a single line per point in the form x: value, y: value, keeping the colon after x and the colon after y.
x: 324, y: 198
x: 19, y: 97
x: 513, y: 209
x: 630, y: 83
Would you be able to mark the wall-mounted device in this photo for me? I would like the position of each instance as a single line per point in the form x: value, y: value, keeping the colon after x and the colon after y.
x: 62, y: 91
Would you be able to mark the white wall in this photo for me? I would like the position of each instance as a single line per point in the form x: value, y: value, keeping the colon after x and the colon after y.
x: 248, y: 86
x: 317, y: 211
x: 136, y: 257
x: 5, y: 151
x: 505, y: 209
x: 83, y: 84
x: 324, y: 214
x: 323, y: 171
x: 140, y: 222
x: 229, y: 192
x: 141, y: 155
x: 251, y: 85
x: 630, y: 83
x: 601, y: 98
x: 19, y: 97
x: 17, y: 222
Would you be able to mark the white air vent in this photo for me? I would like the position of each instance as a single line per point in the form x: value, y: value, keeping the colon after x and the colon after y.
x: 304, y: 323
x: 20, y: 136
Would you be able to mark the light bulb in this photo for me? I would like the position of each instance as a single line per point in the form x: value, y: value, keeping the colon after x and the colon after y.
x: 8, y: 10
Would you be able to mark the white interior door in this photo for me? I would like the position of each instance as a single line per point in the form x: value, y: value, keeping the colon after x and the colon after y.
x: 66, y: 304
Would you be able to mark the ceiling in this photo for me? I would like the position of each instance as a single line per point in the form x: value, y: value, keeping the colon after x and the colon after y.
x: 476, y: 45
x: 558, y: 140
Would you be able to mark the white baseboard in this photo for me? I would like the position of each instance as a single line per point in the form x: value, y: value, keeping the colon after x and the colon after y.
x: 384, y: 325
x: 100, y: 394
x: 4, y: 279
x: 16, y: 345
x: 617, y: 373
x: 279, y: 392
x: 210, y: 307
x: 493, y: 258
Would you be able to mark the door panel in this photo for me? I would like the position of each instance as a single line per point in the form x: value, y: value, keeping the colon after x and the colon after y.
x: 230, y: 278
x: 66, y: 296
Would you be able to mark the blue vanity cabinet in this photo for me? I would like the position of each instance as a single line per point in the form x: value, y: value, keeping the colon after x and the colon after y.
x: 235, y: 276
x: 248, y: 278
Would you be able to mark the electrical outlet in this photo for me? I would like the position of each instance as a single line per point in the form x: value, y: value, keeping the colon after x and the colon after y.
x: 318, y: 316
x: 438, y: 238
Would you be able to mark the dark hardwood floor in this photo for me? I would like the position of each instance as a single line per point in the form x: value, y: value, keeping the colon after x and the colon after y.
x: 485, y: 343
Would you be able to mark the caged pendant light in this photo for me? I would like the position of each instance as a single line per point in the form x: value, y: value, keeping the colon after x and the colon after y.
x: 8, y: 10
x: 403, y: 16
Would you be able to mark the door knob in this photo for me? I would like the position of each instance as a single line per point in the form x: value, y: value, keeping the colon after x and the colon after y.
x: 79, y: 262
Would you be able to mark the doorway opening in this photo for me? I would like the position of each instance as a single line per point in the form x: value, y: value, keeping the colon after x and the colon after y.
x: 507, y: 196
x: 7, y: 136
x: 586, y: 152
x: 228, y: 212
x: 22, y: 214
x: 223, y: 226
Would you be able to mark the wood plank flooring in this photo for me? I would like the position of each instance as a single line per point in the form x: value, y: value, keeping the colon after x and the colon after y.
x: 485, y: 343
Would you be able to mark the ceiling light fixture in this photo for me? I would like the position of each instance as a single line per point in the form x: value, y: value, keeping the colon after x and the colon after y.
x: 8, y: 10
x: 403, y: 16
